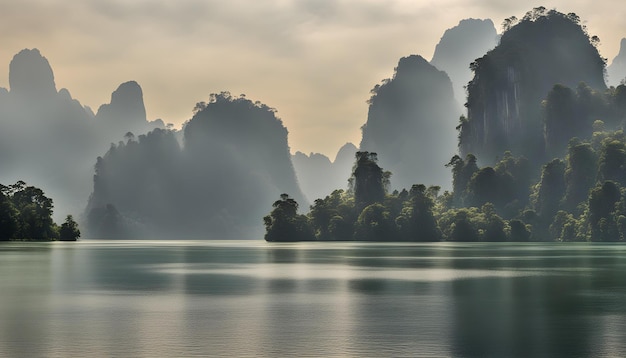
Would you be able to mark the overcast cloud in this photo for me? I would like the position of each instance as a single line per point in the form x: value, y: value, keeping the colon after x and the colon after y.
x: 313, y: 60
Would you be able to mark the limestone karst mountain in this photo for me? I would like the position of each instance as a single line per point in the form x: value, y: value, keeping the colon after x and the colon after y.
x: 411, y: 124
x: 461, y: 45
x: 504, y: 109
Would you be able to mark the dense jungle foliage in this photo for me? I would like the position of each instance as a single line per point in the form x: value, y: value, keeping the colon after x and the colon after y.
x: 26, y: 214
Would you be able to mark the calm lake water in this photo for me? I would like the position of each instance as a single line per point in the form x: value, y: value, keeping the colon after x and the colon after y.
x: 250, y: 298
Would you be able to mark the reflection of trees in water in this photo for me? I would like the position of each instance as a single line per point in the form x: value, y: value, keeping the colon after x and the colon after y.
x: 555, y: 312
x: 564, y: 302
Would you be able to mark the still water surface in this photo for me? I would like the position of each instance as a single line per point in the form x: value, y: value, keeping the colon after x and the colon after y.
x: 244, y: 298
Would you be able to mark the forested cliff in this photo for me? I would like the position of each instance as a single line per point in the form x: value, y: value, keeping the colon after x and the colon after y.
x: 510, y: 82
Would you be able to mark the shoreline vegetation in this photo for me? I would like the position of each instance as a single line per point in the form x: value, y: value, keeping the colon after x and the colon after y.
x: 26, y: 215
x: 488, y: 209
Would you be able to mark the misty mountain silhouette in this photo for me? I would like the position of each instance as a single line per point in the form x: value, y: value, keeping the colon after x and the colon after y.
x: 310, y: 169
x: 461, y: 45
x: 50, y: 140
x: 318, y: 176
x: 125, y: 113
x: 30, y: 75
x: 617, y: 70
x: 411, y: 124
x: 235, y: 160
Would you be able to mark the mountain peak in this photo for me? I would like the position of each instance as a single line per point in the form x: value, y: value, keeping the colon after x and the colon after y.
x: 129, y: 92
x: 30, y: 74
x: 411, y: 60
x: 126, y: 105
x: 461, y: 45
x: 346, y: 152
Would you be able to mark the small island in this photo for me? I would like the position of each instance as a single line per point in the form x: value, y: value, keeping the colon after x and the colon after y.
x: 26, y: 215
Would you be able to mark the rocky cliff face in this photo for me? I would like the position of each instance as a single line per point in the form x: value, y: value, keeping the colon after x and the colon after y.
x: 504, y: 98
x: 461, y: 45
x: 411, y: 124
x: 617, y: 70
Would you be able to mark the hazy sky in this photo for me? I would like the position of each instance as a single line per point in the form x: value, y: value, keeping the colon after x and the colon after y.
x: 313, y: 60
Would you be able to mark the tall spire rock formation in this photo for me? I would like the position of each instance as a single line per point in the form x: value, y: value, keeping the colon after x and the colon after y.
x: 409, y: 115
x: 30, y: 75
x: 461, y: 45
x: 504, y: 106
x: 617, y: 70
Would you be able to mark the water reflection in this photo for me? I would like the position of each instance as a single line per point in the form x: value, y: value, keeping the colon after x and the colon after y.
x: 23, y: 298
x: 537, y: 316
x: 343, y: 299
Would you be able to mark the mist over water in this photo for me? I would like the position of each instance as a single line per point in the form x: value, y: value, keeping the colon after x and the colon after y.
x: 237, y: 298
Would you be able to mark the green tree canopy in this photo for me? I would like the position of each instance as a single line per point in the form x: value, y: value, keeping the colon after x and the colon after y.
x: 69, y: 230
x: 284, y: 223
